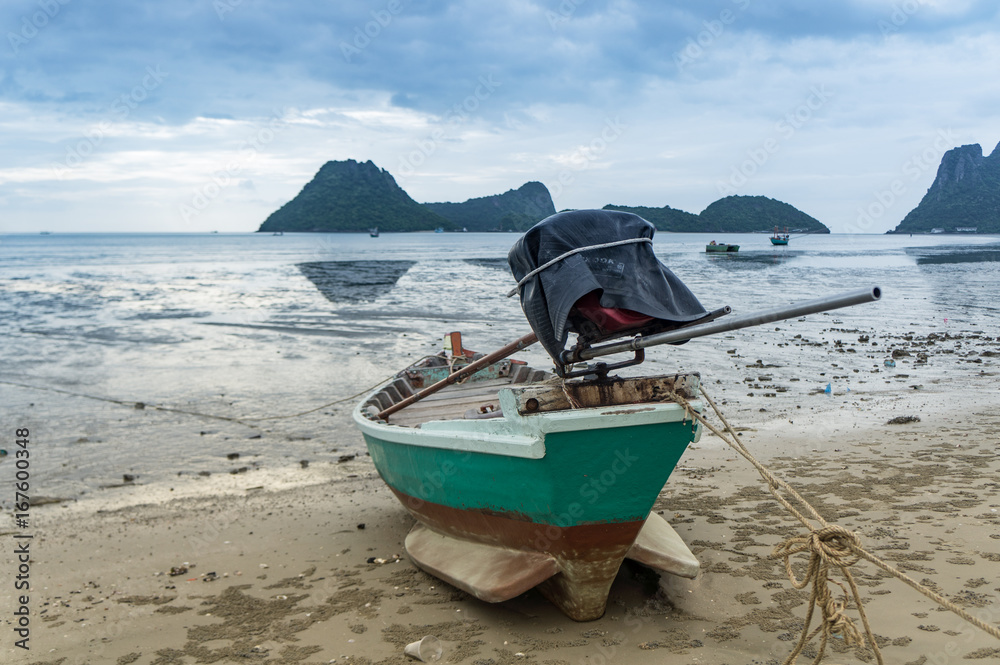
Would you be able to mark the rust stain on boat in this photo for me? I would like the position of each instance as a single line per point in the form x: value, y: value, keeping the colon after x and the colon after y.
x: 588, y: 555
x: 416, y: 379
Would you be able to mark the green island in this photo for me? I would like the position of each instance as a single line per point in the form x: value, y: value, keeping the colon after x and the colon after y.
x: 733, y: 214
x: 350, y: 196
x: 514, y: 210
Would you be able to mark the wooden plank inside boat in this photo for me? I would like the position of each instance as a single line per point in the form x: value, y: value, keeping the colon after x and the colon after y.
x: 451, y: 403
x: 645, y: 390
x: 457, y: 401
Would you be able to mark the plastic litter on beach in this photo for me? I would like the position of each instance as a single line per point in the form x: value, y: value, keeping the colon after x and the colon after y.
x: 427, y: 649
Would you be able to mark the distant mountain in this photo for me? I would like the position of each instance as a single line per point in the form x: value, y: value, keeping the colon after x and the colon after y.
x: 514, y: 210
x: 754, y: 214
x: 664, y: 219
x: 965, y: 195
x: 357, y: 196
x: 353, y: 196
x: 733, y: 214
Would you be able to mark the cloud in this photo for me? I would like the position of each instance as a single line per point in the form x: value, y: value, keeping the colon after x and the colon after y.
x: 102, y: 101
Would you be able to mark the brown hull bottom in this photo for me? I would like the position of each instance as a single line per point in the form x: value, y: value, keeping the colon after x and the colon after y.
x: 580, y: 562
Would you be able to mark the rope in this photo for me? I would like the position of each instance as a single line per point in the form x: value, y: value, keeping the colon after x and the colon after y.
x: 132, y: 403
x: 241, y: 421
x: 328, y: 404
x: 828, y: 546
x: 146, y: 405
x: 571, y: 253
x: 342, y: 399
x: 452, y: 370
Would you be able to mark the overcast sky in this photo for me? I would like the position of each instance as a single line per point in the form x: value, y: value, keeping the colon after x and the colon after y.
x: 200, y: 115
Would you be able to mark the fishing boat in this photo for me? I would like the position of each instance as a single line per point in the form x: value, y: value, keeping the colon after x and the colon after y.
x: 518, y: 480
x: 721, y: 247
x: 779, y: 238
x: 519, y: 477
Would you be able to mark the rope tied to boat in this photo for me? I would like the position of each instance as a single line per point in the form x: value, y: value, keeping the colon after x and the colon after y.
x: 828, y: 546
x: 832, y: 545
x: 249, y: 422
x: 570, y: 253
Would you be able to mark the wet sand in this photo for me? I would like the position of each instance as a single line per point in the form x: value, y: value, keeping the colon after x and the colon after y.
x: 306, y: 565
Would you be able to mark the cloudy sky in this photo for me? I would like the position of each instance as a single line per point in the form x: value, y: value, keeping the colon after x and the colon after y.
x: 199, y: 115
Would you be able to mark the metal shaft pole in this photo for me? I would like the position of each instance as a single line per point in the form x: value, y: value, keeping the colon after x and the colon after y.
x: 846, y: 299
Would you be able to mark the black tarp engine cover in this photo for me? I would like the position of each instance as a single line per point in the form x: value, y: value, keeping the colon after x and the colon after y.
x: 629, y: 276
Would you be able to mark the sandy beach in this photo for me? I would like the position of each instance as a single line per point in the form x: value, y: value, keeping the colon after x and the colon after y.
x: 237, y: 238
x: 201, y: 495
x: 306, y: 565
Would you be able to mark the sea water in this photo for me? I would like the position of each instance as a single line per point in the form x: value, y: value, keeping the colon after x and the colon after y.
x: 158, y: 356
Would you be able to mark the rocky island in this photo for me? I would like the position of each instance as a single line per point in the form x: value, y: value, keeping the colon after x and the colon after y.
x: 514, y: 210
x: 351, y: 196
x: 732, y: 214
x: 964, y: 197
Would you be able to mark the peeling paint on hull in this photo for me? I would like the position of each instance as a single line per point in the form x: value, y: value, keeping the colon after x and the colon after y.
x: 587, y: 556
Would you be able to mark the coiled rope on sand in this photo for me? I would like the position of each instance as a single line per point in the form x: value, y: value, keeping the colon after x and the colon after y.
x: 828, y: 546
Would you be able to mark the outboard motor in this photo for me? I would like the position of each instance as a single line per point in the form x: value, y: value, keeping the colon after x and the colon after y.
x: 594, y: 273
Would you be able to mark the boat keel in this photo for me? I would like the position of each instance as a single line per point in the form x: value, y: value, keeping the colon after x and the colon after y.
x: 575, y: 579
x: 489, y: 572
x: 581, y: 589
x: 658, y: 546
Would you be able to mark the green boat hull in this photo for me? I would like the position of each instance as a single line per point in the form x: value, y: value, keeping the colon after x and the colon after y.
x: 589, y: 476
x: 545, y: 494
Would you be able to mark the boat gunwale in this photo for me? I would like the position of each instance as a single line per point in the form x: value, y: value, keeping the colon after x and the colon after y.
x: 515, y: 433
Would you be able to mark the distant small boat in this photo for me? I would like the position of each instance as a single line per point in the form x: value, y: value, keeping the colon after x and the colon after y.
x: 439, y: 229
x: 373, y: 232
x: 721, y: 247
x: 779, y: 238
x: 45, y: 233
x: 278, y: 233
